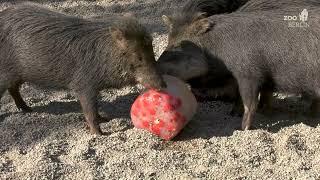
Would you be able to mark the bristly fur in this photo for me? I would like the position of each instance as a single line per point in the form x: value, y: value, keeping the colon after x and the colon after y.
x: 55, y: 50
x: 193, y: 8
x: 207, y: 7
x: 265, y: 5
x: 185, y: 16
x: 260, y: 51
x: 40, y: 39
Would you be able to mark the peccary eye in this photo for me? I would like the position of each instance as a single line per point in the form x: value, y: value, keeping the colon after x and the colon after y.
x: 140, y: 59
x: 131, y: 67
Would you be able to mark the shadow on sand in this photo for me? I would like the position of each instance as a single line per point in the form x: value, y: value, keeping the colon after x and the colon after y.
x: 286, y: 113
x: 20, y: 129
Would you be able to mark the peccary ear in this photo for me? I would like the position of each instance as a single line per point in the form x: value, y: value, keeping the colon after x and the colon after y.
x: 119, y: 37
x: 202, y: 26
x: 200, y: 15
x: 167, y: 21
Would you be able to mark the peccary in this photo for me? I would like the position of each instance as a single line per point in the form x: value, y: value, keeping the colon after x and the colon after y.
x: 258, y: 49
x: 208, y: 86
x: 55, y: 50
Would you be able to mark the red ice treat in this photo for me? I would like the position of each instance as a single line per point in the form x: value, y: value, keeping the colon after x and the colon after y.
x: 164, y: 113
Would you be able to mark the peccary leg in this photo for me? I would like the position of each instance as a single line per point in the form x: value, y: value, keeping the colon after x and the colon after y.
x: 237, y: 108
x: 249, y: 94
x: 89, y: 106
x: 14, y: 92
x: 315, y: 107
x: 265, y: 103
x: 2, y: 90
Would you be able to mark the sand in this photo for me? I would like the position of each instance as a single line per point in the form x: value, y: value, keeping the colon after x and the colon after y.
x: 52, y: 143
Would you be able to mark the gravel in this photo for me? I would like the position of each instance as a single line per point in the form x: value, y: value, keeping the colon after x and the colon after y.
x: 52, y: 143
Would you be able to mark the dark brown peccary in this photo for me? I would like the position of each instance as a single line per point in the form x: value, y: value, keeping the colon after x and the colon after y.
x: 207, y: 84
x: 55, y: 50
x: 258, y: 49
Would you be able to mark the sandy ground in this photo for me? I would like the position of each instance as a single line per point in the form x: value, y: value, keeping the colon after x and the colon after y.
x: 51, y: 142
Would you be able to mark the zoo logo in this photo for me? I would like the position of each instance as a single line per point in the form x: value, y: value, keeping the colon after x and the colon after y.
x: 293, y: 20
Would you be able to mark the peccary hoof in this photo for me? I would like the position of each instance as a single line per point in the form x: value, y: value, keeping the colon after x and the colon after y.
x: 94, y: 130
x: 102, y: 119
x: 25, y: 109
